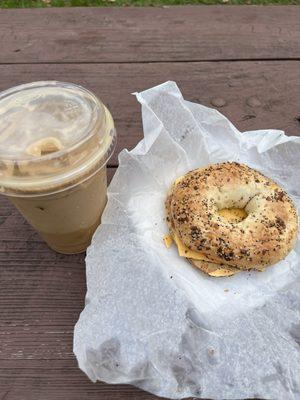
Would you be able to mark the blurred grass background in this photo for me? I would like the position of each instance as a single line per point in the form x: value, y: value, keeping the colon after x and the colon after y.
x: 86, y: 3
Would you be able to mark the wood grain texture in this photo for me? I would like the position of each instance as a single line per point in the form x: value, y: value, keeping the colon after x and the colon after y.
x: 41, y: 297
x: 275, y: 84
x: 188, y: 33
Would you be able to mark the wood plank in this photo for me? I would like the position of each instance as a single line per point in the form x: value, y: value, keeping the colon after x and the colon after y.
x: 41, y: 296
x: 191, y: 33
x: 275, y: 84
x: 84, y: 392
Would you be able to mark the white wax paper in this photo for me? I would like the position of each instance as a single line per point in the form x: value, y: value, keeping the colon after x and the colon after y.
x: 153, y: 320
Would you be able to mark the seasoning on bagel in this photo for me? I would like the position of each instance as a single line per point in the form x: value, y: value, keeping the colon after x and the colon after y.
x: 228, y: 217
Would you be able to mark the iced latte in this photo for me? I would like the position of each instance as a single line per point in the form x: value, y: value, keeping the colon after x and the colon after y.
x: 55, y: 141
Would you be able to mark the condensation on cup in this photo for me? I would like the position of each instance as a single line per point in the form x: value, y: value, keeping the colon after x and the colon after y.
x: 55, y: 141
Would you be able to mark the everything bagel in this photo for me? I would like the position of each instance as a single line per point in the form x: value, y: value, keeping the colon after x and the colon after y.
x: 263, y: 233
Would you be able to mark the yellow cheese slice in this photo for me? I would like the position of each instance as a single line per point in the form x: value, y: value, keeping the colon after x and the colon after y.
x: 218, y: 273
x: 213, y: 269
x: 184, y: 251
x: 233, y: 214
x: 168, y: 241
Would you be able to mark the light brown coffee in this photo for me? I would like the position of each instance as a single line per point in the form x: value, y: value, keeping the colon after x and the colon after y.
x: 67, y: 219
x: 55, y: 140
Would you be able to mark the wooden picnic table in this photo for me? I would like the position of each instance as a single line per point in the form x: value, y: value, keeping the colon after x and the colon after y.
x: 243, y: 60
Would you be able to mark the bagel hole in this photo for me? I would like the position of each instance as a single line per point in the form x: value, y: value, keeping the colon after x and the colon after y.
x: 233, y: 214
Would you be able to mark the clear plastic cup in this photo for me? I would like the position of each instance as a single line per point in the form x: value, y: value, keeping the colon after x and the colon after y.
x: 55, y: 141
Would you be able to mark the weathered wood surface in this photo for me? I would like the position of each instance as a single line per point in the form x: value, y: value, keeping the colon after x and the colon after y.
x: 275, y: 84
x: 115, y: 52
x: 41, y: 297
x: 153, y: 34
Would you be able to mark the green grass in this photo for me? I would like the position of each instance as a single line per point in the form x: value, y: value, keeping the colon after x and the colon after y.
x: 84, y: 3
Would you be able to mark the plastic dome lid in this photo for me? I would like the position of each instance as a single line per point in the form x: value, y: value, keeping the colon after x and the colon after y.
x: 51, y: 132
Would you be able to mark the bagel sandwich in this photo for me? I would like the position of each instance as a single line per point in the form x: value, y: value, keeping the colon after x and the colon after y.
x: 228, y: 217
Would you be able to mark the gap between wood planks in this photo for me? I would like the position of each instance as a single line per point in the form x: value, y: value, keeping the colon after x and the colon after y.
x: 153, y: 61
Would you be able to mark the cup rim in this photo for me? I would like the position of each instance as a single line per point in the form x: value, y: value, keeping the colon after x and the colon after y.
x: 58, y: 84
x: 41, y: 185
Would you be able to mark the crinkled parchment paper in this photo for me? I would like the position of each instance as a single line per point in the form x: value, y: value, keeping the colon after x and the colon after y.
x: 154, y: 321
